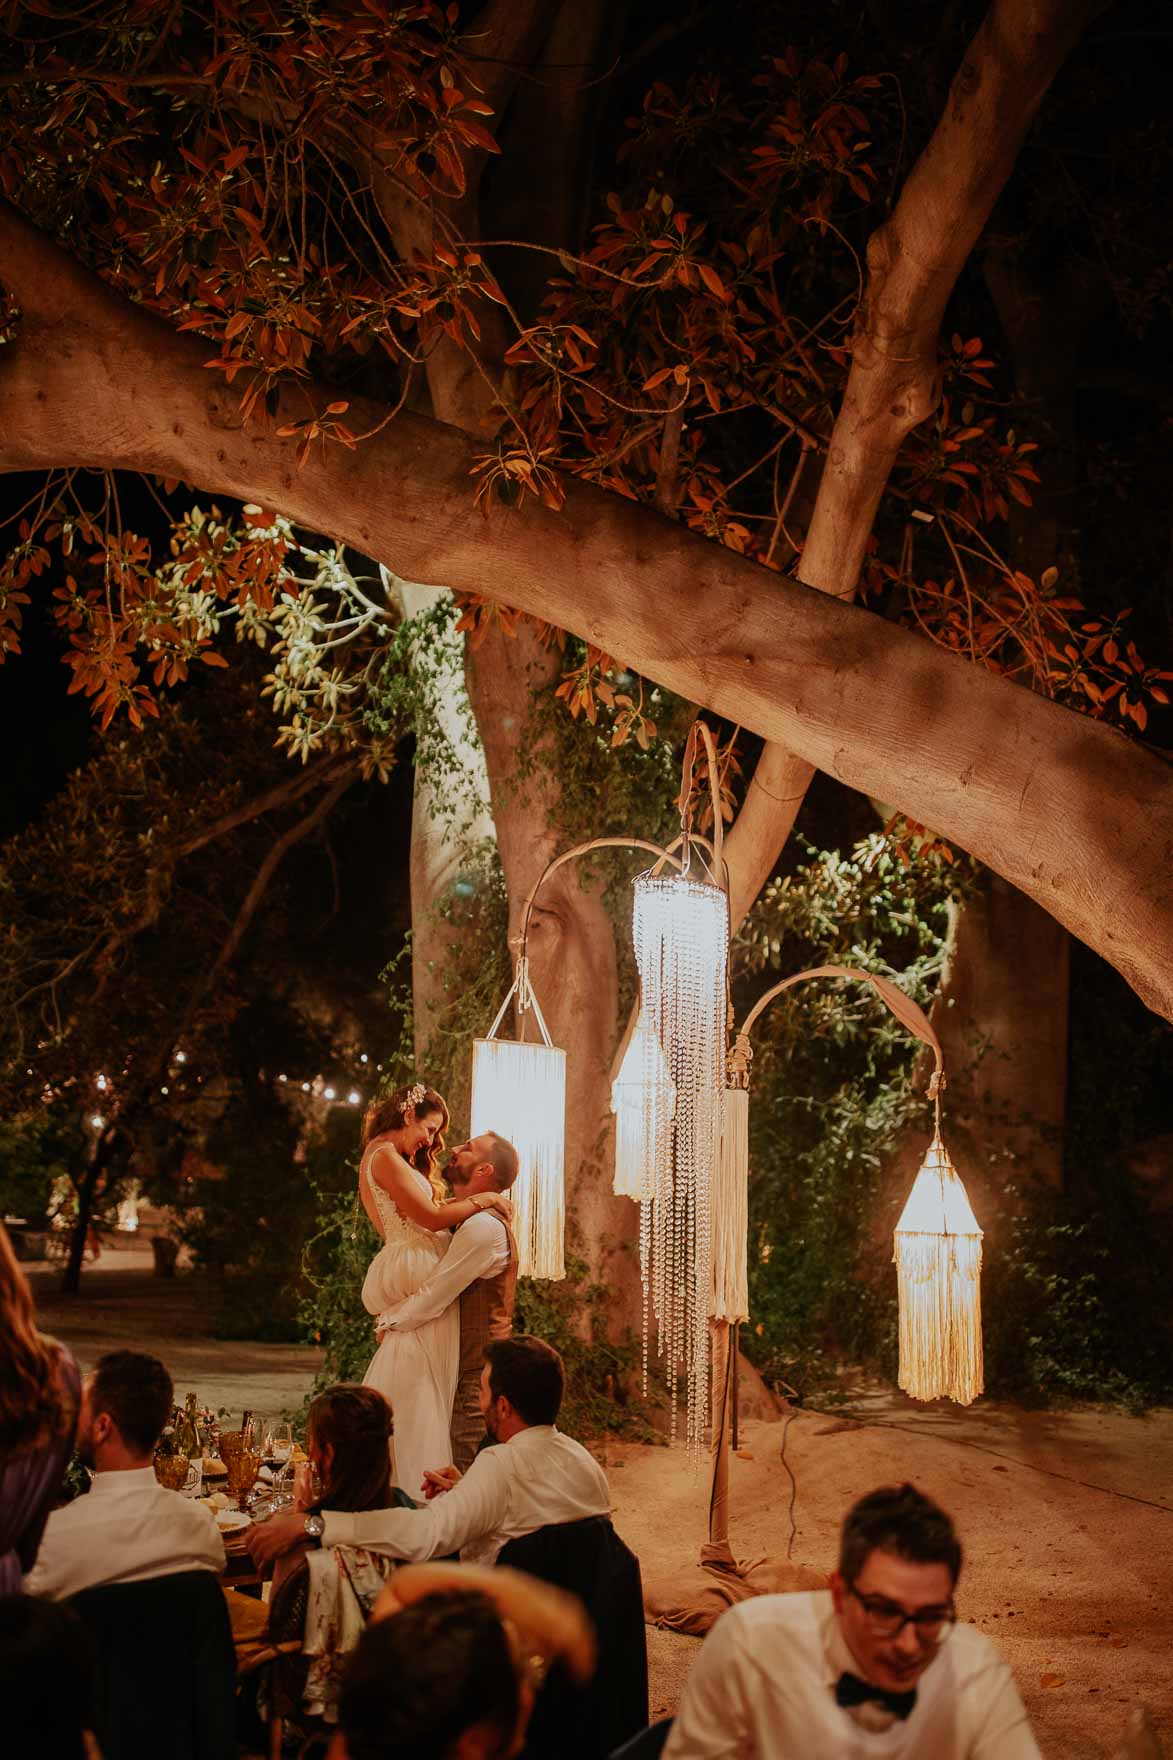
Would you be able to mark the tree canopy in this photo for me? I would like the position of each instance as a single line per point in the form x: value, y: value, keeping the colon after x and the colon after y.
x: 305, y: 191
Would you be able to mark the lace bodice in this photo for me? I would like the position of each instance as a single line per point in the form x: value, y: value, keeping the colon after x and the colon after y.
x: 395, y: 1226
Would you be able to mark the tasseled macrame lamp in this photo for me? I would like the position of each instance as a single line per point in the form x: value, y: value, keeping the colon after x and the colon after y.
x: 643, y: 1099
x: 938, y: 1244
x: 519, y: 1089
x: 938, y: 1254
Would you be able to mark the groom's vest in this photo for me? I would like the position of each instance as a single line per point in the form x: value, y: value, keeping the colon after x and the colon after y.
x: 486, y: 1309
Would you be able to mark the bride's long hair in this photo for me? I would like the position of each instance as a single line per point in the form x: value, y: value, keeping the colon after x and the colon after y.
x: 390, y: 1114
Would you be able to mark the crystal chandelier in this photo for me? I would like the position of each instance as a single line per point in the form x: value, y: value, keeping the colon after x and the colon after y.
x: 680, y: 927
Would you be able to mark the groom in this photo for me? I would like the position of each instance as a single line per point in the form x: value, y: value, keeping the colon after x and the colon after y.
x: 480, y: 1271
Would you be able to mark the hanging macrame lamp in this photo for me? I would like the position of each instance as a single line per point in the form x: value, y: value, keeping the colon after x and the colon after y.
x: 938, y: 1244
x: 519, y: 1090
x: 938, y: 1254
x: 643, y: 1099
x: 680, y: 927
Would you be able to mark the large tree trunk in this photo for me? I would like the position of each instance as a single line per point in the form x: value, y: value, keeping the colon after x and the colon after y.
x: 1002, y: 1009
x: 573, y: 964
x: 1067, y: 809
x: 1001, y: 1016
x: 449, y: 817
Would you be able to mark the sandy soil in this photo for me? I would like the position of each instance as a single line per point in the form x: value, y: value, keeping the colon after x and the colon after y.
x: 1074, y: 1580
x: 1067, y: 1517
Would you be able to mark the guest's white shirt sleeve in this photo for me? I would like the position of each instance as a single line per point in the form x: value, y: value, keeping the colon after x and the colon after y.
x: 476, y: 1506
x: 480, y: 1248
x: 537, y: 1479
x: 712, y: 1718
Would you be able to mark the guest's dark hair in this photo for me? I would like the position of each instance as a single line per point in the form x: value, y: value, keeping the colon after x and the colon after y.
x: 505, y: 1162
x: 390, y: 1114
x: 418, y: 1680
x: 46, y: 1677
x: 901, y: 1520
x: 33, y: 1403
x: 356, y: 1423
x: 135, y: 1390
x: 527, y: 1372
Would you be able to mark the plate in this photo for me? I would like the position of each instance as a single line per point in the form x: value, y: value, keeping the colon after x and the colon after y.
x: 231, y: 1521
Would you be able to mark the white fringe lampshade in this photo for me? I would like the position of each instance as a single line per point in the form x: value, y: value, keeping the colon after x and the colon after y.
x: 731, y: 1212
x: 519, y: 1090
x: 681, y: 932
x: 643, y: 1100
x: 939, y: 1262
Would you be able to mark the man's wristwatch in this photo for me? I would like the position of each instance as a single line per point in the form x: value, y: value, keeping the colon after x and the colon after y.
x: 315, y: 1527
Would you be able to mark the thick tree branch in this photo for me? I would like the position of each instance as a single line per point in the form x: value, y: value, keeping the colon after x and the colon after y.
x: 914, y: 261
x: 1064, y: 808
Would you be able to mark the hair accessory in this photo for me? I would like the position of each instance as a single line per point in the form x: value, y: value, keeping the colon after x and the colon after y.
x: 414, y: 1095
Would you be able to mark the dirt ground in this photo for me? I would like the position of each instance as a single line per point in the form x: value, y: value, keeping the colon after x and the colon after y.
x: 1067, y: 1517
x: 1067, y: 1566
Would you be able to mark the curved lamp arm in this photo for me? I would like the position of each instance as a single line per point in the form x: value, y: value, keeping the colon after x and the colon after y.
x: 901, y: 1005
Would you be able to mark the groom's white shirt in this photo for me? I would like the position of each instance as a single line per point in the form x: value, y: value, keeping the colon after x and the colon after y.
x: 536, y: 1478
x: 479, y: 1248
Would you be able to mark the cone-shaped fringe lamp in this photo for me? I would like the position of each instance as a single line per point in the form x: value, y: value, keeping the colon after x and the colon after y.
x: 938, y: 1245
x: 519, y: 1090
x: 643, y: 1100
x: 938, y: 1254
x: 681, y: 933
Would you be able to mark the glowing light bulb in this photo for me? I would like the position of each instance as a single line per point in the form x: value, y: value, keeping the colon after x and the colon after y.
x: 327, y: 1093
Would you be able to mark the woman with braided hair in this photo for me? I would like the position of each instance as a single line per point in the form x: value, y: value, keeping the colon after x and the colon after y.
x: 415, y: 1371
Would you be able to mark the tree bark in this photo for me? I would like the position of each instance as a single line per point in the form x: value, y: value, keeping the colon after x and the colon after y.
x: 573, y: 961
x: 1001, y: 1016
x: 1067, y: 809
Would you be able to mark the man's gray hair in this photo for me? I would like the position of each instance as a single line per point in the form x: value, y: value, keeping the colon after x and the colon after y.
x: 503, y: 1157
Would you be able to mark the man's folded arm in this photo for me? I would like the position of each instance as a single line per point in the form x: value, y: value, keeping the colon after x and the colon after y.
x: 474, y: 1507
x: 473, y: 1254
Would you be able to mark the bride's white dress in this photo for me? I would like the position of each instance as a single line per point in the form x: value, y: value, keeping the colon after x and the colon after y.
x: 416, y: 1371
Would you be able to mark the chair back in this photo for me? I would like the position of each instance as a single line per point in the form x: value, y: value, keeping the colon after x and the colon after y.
x: 166, y: 1674
x: 590, y: 1560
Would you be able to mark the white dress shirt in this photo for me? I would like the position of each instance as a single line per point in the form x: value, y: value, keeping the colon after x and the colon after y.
x: 763, y: 1688
x: 480, y: 1248
x: 539, y: 1476
x: 127, y: 1528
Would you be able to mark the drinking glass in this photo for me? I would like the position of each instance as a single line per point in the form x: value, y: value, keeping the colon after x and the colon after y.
x: 243, y: 1467
x: 278, y: 1446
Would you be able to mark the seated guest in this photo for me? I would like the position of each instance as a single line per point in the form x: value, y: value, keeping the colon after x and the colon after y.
x: 46, y: 1681
x: 39, y: 1398
x: 446, y: 1668
x: 324, y: 1598
x: 537, y: 1476
x: 129, y: 1527
x: 875, y: 1664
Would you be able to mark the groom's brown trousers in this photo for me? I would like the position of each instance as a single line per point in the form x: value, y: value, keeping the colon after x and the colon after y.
x: 486, y: 1312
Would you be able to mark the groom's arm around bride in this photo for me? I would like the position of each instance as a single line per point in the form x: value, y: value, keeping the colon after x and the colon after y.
x: 479, y: 1270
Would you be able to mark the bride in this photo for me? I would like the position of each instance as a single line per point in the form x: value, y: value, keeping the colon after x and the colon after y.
x: 415, y: 1371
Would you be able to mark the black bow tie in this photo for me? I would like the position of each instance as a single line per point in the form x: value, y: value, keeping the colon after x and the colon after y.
x: 850, y: 1690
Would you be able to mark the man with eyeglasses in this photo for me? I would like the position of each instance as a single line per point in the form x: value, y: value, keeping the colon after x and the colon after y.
x: 876, y: 1665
